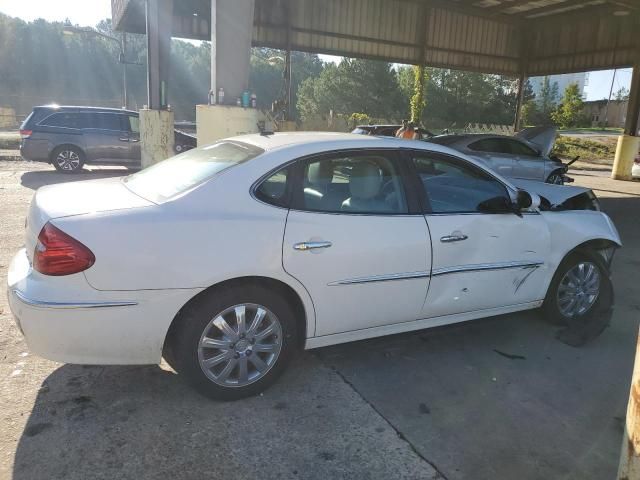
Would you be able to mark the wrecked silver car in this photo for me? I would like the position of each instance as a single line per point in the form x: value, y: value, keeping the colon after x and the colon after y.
x: 526, y: 155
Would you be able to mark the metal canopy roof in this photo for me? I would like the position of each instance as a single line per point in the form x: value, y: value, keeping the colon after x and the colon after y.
x: 535, y: 37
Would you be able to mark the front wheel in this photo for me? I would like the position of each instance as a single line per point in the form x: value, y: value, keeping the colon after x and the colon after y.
x: 68, y: 159
x: 580, y: 287
x: 234, y: 343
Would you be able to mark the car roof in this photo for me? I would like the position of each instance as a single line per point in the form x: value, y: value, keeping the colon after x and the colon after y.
x: 320, y: 142
x: 72, y: 108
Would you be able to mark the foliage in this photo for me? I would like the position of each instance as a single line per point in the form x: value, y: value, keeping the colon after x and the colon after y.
x: 622, y: 94
x: 569, y: 113
x: 546, y: 102
x: 39, y: 64
x: 418, y: 101
x: 353, y: 85
x: 571, y: 147
x: 356, y: 119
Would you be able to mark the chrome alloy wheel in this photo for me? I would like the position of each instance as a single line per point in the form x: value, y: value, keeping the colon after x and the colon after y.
x: 68, y: 160
x: 234, y: 354
x: 579, y: 289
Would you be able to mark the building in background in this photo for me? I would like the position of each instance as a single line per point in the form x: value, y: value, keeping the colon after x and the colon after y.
x: 563, y: 81
x: 615, y: 116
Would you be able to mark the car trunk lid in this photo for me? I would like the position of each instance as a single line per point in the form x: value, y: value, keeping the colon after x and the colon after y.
x: 77, y: 198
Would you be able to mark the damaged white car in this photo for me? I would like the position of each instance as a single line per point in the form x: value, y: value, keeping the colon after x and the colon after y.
x: 228, y: 258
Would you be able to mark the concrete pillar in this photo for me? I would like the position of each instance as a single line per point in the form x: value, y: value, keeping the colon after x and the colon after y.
x: 231, y: 32
x: 629, y: 467
x: 629, y: 143
x: 215, y: 122
x: 156, y: 121
x: 231, y: 42
x: 157, y: 136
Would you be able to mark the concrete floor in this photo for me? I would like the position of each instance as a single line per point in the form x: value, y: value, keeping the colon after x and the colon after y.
x: 495, y: 398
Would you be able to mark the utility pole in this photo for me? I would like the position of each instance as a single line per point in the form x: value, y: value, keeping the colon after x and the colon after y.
x: 606, y: 110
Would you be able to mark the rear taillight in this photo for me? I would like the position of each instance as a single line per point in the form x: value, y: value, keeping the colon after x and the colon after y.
x: 25, y: 133
x: 60, y: 254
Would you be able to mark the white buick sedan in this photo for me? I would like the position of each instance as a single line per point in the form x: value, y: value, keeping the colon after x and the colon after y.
x: 227, y: 259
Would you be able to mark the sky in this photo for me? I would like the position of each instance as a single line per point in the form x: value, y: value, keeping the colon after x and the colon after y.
x: 90, y: 12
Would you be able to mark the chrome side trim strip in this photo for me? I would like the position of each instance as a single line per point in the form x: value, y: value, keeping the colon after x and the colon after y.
x: 484, y: 266
x: 438, y: 271
x: 61, y: 305
x: 381, y: 278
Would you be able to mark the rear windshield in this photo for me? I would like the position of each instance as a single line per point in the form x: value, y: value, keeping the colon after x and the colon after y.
x: 183, y: 172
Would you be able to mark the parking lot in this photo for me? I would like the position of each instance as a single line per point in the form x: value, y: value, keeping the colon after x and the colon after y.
x: 493, y: 398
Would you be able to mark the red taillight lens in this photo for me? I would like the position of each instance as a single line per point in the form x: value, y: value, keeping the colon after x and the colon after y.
x: 25, y: 133
x: 59, y: 254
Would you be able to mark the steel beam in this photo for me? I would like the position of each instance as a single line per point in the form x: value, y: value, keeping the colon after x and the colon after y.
x: 159, y: 18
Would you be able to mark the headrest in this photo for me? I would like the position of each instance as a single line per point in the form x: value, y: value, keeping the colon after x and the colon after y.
x: 320, y: 173
x: 365, y: 180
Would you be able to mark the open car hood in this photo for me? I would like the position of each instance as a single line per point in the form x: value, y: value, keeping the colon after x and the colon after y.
x: 559, y: 197
x: 541, y: 137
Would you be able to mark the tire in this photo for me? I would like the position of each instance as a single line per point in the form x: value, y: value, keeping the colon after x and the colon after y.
x: 68, y: 159
x: 210, y: 353
x: 555, y: 178
x: 558, y: 307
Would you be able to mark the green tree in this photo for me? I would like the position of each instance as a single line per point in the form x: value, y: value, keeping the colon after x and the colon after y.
x: 354, y: 85
x: 622, y: 94
x: 547, y: 101
x: 418, y: 100
x: 569, y: 112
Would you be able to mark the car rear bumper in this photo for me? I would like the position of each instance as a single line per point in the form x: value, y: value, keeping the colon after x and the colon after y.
x: 35, y: 150
x: 66, y: 320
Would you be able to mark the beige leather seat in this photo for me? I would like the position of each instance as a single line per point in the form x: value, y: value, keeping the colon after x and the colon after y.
x: 365, y: 184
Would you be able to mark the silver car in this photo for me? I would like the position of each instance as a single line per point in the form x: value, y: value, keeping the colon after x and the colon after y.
x: 525, y: 155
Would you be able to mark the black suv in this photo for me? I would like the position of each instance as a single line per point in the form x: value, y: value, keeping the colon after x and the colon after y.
x: 69, y: 137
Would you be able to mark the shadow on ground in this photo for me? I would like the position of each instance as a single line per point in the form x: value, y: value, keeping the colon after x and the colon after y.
x: 39, y: 178
x: 144, y: 423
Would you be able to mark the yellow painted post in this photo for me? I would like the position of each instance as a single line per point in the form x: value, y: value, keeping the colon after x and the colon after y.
x: 629, y: 468
x: 629, y: 143
x: 628, y: 148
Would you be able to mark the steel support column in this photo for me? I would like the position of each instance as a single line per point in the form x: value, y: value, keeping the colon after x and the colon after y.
x: 159, y: 18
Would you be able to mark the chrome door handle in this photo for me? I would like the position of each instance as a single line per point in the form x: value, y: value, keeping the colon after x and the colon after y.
x: 453, y: 238
x: 124, y: 139
x: 311, y: 245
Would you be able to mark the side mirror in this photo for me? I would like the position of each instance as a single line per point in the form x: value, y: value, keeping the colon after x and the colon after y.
x: 523, y: 200
x: 526, y: 200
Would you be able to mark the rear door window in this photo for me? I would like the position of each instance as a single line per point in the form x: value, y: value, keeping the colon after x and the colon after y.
x: 61, y: 119
x: 491, y: 145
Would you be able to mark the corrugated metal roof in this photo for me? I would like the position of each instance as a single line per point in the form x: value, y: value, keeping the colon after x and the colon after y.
x: 498, y: 36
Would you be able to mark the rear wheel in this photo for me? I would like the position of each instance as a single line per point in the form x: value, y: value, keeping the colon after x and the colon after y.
x: 234, y: 343
x: 579, y: 288
x: 68, y: 159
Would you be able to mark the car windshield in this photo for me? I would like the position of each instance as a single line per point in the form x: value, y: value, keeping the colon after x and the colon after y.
x: 183, y: 172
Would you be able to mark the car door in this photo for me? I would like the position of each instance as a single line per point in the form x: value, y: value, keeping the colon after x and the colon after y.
x: 493, y: 152
x: 484, y: 255
x: 356, y: 241
x: 105, y: 137
x: 528, y: 163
